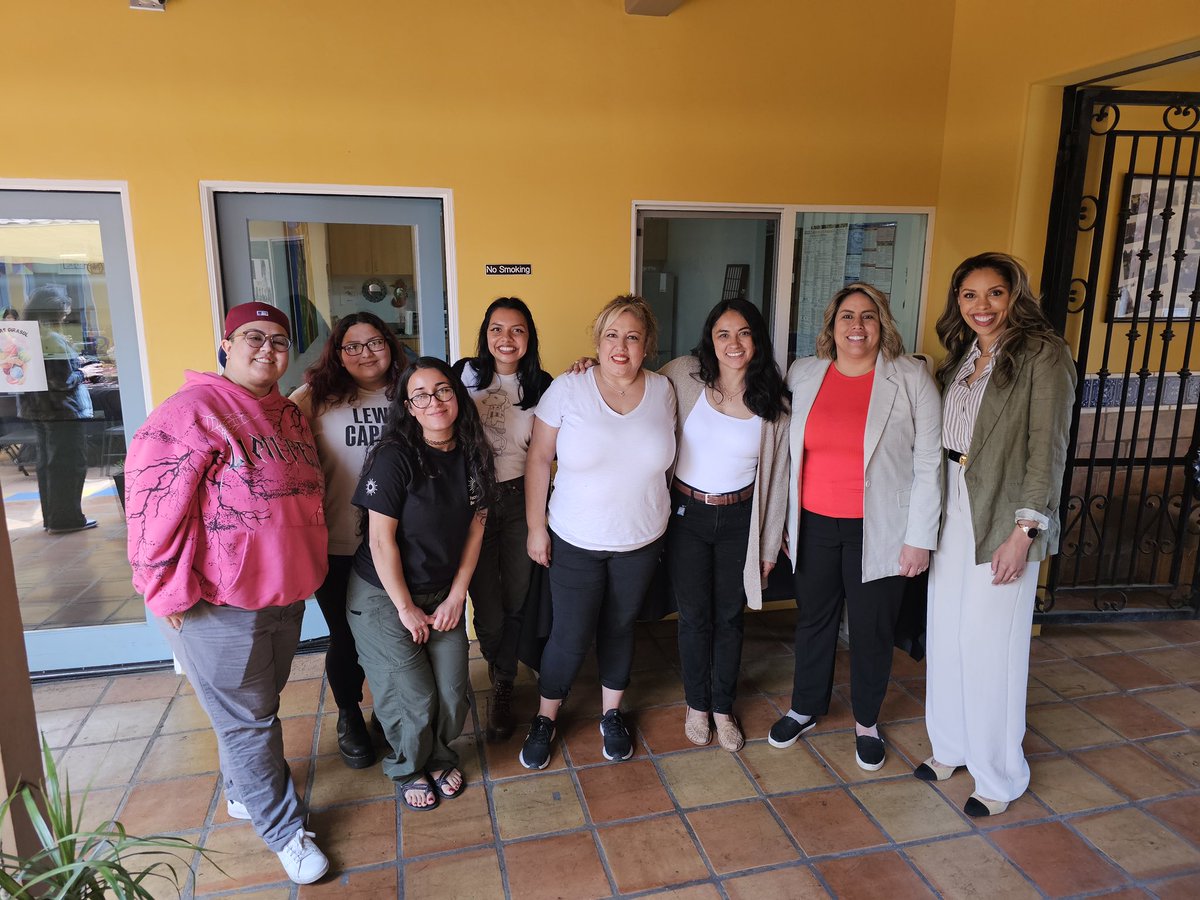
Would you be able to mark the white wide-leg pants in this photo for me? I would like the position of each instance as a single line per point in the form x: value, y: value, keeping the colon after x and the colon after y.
x: 977, y: 662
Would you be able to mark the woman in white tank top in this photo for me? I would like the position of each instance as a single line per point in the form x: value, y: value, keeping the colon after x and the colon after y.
x: 728, y: 505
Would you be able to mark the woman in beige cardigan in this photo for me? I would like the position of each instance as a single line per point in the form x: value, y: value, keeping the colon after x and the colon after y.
x: 728, y: 505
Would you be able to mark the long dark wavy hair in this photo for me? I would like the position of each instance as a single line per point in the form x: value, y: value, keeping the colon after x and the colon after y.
x: 766, y: 395
x: 403, y: 430
x: 329, y: 382
x: 1027, y: 325
x: 532, y: 381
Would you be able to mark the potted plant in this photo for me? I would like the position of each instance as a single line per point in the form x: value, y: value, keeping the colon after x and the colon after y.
x: 77, y: 864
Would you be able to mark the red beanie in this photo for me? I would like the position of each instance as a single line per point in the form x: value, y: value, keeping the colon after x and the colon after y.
x: 246, y: 313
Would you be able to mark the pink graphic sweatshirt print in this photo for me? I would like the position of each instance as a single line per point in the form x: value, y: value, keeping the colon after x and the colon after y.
x: 223, y: 495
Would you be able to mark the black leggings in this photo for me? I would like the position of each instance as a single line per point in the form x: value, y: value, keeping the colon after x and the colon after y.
x: 345, y: 675
x: 595, y: 594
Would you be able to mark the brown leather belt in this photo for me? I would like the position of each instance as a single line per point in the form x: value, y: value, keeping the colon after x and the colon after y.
x: 728, y: 499
x: 955, y: 456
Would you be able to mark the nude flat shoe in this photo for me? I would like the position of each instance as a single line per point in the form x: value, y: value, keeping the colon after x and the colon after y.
x: 729, y: 734
x: 696, y: 727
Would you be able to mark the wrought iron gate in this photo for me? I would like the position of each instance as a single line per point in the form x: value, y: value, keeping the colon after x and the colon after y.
x: 1120, y: 278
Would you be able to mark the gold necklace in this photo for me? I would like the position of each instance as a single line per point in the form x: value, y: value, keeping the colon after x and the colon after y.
x: 727, y: 396
x: 613, y: 387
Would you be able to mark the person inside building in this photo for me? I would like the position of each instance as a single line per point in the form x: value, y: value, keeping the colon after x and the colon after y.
x: 223, y: 491
x: 505, y: 379
x: 424, y: 490
x: 866, y: 480
x: 612, y: 429
x: 1008, y: 385
x: 59, y: 415
x: 345, y: 397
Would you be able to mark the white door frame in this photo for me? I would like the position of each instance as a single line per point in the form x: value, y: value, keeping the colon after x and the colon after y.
x: 208, y: 214
x: 784, y: 262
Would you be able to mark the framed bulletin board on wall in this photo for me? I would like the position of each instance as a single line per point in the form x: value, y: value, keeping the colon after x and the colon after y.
x: 1161, y: 221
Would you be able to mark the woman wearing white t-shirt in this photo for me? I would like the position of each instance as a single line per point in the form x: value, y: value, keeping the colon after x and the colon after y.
x: 345, y: 397
x: 613, y: 431
x: 506, y: 380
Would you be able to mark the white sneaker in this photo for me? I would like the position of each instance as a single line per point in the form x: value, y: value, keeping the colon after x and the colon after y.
x: 237, y: 809
x: 302, y: 859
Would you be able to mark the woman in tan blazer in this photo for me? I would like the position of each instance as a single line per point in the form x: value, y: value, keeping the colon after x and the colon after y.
x: 1008, y: 385
x: 866, y: 497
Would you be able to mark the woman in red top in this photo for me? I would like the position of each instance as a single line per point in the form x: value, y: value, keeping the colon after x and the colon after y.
x: 866, y: 467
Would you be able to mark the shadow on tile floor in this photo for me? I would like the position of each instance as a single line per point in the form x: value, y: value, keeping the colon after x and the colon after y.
x: 1113, y: 808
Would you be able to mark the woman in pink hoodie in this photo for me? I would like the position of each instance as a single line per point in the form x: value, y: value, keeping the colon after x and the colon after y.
x: 227, y: 539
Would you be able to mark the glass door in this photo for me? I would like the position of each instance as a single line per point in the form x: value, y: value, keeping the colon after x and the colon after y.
x: 688, y: 260
x: 319, y: 257
x: 71, y: 395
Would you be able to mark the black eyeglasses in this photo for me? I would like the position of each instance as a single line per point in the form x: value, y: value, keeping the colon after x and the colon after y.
x: 420, y: 401
x: 356, y: 347
x: 256, y: 339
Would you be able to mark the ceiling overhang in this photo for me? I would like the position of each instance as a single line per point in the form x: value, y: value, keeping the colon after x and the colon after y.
x: 652, y: 7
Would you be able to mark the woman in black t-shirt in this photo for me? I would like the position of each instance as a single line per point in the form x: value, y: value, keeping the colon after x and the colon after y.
x: 424, y: 492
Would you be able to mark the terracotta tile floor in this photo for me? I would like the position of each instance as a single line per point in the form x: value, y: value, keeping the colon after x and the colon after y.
x: 1113, y: 809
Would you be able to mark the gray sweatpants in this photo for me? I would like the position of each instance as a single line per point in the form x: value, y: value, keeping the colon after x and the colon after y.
x: 419, y: 690
x: 238, y: 661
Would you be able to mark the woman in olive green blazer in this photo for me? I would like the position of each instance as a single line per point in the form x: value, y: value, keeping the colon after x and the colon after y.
x: 1008, y: 385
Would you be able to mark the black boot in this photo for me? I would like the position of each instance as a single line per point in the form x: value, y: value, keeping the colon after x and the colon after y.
x: 500, y: 715
x: 353, y: 740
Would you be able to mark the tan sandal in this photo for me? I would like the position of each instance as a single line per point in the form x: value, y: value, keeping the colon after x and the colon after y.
x: 729, y: 734
x: 696, y: 727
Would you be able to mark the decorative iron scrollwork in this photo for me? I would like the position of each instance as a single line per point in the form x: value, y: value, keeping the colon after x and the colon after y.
x: 1179, y: 118
x: 1101, y: 116
x: 1078, y: 294
x: 1044, y: 601
x: 1111, y: 600
x: 1089, y: 209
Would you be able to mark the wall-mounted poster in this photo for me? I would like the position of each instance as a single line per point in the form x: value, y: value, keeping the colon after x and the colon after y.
x: 1156, y: 229
x: 22, y: 365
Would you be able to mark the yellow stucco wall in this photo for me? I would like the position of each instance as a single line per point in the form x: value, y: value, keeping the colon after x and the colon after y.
x: 1008, y: 65
x: 547, y: 118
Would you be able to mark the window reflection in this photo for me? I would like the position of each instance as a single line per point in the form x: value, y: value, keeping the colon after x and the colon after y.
x: 61, y: 427
x: 318, y: 272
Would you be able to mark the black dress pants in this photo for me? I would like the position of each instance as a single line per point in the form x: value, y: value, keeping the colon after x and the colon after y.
x: 828, y: 571
x: 61, y: 471
x: 706, y: 555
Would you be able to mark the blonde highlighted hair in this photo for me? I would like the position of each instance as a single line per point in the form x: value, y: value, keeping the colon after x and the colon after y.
x: 890, y: 341
x: 640, y: 309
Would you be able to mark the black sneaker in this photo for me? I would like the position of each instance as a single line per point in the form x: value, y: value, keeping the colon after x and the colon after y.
x: 868, y: 752
x: 617, y: 743
x: 787, y: 731
x: 535, y: 753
